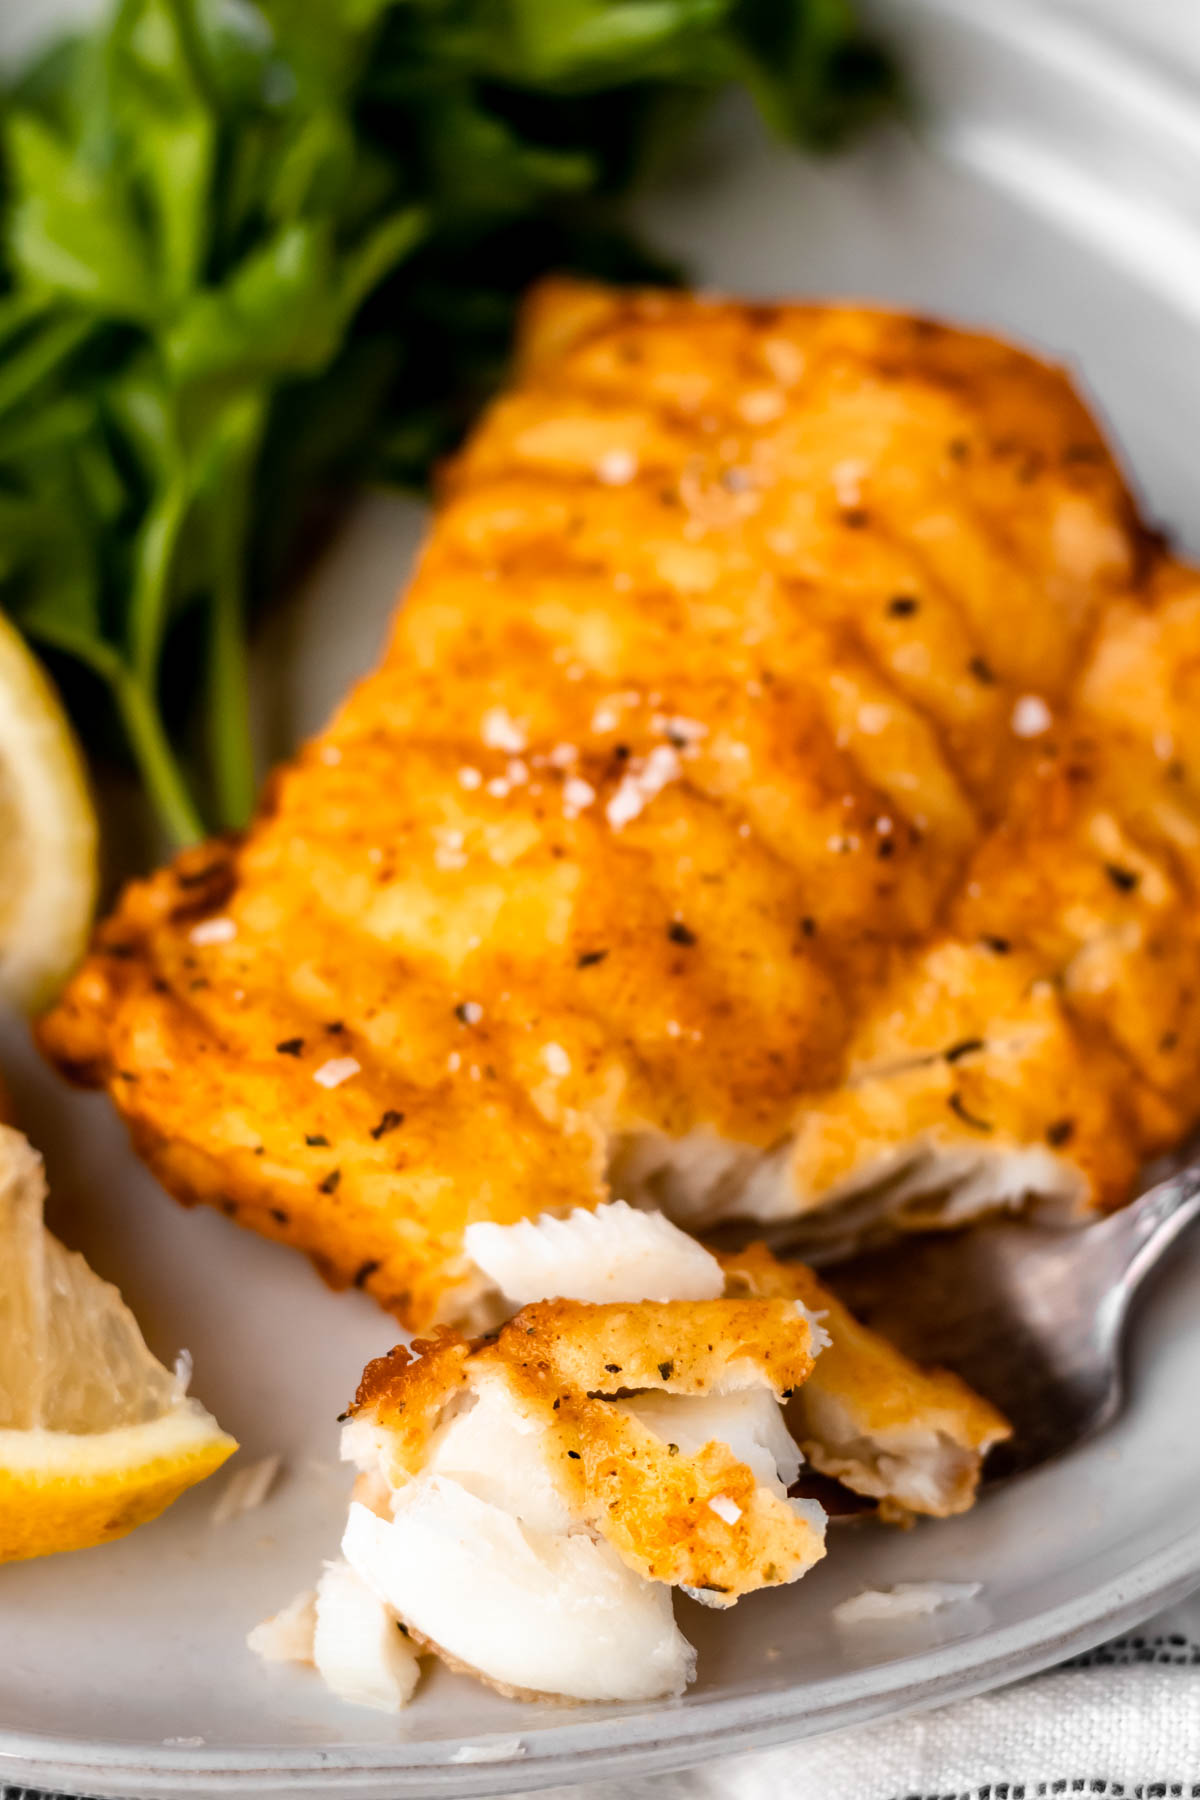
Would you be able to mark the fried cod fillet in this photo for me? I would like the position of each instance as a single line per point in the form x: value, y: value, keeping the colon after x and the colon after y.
x: 912, y: 1438
x: 779, y: 798
x: 528, y: 1501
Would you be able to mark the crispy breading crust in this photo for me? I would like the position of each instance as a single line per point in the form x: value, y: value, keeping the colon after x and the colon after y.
x: 692, y: 796
x: 563, y: 1362
x: 876, y: 1392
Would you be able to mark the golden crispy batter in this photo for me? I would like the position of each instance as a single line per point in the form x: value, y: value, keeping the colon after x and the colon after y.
x: 564, y: 1363
x: 693, y: 820
x: 867, y: 1415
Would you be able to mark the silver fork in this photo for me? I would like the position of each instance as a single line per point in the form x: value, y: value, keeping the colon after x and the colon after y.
x: 1032, y: 1316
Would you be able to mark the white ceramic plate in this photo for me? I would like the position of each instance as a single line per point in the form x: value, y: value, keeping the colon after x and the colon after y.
x: 1056, y: 197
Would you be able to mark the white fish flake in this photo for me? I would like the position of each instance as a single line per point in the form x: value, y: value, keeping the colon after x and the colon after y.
x: 615, y: 1252
x: 246, y: 1489
x: 906, y: 1600
x: 288, y: 1635
x: 498, y: 1750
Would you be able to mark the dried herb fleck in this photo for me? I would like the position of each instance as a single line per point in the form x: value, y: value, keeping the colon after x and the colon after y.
x: 958, y: 1105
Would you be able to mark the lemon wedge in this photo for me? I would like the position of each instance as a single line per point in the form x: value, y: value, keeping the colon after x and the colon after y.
x: 48, y: 829
x: 96, y: 1436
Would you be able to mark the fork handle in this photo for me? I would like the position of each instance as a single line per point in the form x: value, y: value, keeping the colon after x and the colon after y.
x: 1151, y: 1224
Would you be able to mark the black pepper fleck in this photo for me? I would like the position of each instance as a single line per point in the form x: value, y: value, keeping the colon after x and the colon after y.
x: 590, y: 958
x: 329, y: 1185
x: 279, y: 1216
x: 678, y: 933
x: 388, y: 1122
x: 290, y: 1047
x: 364, y: 1272
x: 1124, y: 880
x: 666, y: 1370
x: 903, y: 606
x: 999, y: 946
x: 966, y: 1047
x: 982, y: 671
x: 574, y: 1455
x: 315, y: 1140
x: 1061, y: 1132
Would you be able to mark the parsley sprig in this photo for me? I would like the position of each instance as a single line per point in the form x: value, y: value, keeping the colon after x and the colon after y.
x: 254, y: 249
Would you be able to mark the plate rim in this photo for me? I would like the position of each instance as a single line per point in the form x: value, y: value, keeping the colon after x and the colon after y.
x: 677, y: 1734
x: 722, y: 1727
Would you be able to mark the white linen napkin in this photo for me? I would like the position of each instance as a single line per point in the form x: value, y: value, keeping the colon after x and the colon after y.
x: 1121, y: 1723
